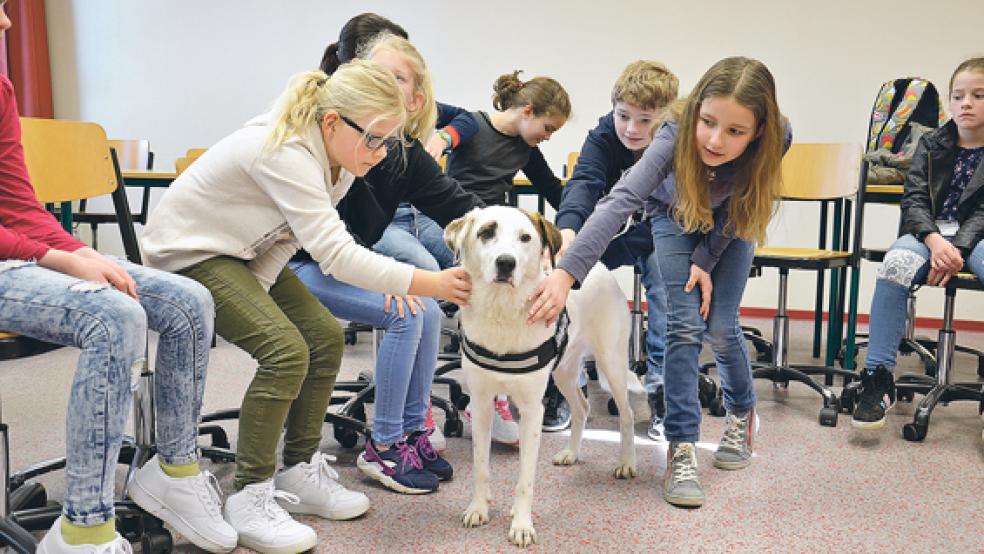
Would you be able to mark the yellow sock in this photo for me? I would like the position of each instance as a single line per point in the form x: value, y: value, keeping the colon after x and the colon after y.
x: 183, y: 470
x: 94, y: 534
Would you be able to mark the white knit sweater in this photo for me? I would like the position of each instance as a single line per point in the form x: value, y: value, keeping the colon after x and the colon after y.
x: 261, y: 207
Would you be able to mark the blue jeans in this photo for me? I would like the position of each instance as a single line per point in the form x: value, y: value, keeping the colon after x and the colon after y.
x: 110, y: 329
x: 407, y: 356
x: 905, y: 267
x: 685, y: 329
x: 416, y: 239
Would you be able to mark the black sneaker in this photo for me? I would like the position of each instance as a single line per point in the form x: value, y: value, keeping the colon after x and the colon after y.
x: 875, y: 397
x: 399, y: 468
x: 433, y: 462
x: 657, y: 411
x: 556, y: 412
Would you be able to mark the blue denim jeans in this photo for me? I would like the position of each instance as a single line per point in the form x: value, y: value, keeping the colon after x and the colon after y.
x: 407, y: 356
x: 416, y: 239
x: 905, y: 267
x: 685, y: 329
x: 110, y: 329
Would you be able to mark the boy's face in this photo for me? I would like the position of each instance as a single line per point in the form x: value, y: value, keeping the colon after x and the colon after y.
x: 967, y: 101
x: 634, y: 125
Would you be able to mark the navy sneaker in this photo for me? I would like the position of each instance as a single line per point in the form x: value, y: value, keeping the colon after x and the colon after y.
x: 399, y: 468
x: 432, y: 461
x: 876, y: 398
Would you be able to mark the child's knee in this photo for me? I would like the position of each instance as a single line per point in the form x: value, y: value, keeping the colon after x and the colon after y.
x: 326, y: 341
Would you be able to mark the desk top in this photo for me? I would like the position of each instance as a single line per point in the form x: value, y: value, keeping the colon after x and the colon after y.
x: 148, y: 174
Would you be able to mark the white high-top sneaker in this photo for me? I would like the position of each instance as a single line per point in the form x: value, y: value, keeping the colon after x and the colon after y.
x: 263, y: 525
x: 54, y: 543
x: 316, y: 485
x: 192, y: 505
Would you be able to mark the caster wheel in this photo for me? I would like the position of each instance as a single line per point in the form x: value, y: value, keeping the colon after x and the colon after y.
x: 707, y: 391
x: 462, y: 402
x: 365, y: 376
x: 346, y: 438
x: 454, y: 428
x: 350, y: 337
x: 612, y: 407
x: 914, y: 432
x: 828, y: 417
x: 780, y: 385
x: 716, y: 407
x: 156, y: 541
x: 905, y: 395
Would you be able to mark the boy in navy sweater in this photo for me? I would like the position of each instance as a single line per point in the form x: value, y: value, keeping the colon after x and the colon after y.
x: 639, y: 96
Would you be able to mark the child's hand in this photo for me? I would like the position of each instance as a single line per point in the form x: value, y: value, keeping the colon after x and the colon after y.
x: 944, y: 257
x: 90, y: 266
x: 702, y: 279
x: 412, y: 302
x: 435, y: 146
x: 567, y: 237
x: 454, y: 285
x: 550, y: 297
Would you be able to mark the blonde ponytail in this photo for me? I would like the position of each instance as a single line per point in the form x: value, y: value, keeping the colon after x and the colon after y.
x: 358, y: 89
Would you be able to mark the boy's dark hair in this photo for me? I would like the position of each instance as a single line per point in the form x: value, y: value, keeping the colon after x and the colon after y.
x: 543, y: 94
x: 357, y: 31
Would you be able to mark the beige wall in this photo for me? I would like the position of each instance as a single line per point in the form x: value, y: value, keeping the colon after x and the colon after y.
x: 184, y: 73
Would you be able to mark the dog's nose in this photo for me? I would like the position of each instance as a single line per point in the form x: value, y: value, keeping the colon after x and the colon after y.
x: 505, y: 264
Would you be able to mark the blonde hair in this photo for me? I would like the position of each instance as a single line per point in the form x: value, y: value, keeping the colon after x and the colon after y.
x: 358, y: 89
x: 420, y: 123
x: 758, y: 176
x: 646, y: 84
x: 972, y: 64
x: 543, y: 94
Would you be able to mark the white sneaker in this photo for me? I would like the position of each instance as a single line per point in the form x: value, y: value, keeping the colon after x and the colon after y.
x: 54, y: 543
x: 192, y: 505
x: 263, y: 525
x: 316, y: 485
x: 505, y: 430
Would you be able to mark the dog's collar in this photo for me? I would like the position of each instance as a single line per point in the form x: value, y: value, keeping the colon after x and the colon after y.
x: 523, y: 362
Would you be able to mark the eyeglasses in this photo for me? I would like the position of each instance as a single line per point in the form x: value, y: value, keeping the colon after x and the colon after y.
x: 373, y: 142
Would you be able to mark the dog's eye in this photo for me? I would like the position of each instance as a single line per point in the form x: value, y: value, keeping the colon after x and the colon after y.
x: 486, y: 233
x: 525, y: 237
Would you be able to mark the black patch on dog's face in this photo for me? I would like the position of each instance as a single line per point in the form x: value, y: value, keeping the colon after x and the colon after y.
x: 487, y: 232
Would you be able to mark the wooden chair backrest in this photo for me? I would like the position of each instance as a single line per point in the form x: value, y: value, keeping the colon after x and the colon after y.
x: 133, y: 153
x: 814, y: 171
x: 67, y: 160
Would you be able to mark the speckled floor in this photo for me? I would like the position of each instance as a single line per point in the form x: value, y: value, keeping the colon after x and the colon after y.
x: 809, y: 489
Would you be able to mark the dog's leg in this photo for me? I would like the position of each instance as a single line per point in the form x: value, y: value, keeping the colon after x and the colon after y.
x: 482, y: 395
x: 565, y: 377
x: 530, y: 406
x: 614, y: 362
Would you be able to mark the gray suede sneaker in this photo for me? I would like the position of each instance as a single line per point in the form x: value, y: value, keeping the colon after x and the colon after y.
x: 680, y: 485
x: 735, y: 449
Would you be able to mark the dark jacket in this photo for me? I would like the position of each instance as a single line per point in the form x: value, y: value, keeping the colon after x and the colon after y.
x: 369, y: 205
x: 602, y: 161
x: 927, y: 185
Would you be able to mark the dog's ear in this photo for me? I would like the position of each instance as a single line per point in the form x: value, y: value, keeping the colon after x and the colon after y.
x: 549, y: 233
x: 456, y: 231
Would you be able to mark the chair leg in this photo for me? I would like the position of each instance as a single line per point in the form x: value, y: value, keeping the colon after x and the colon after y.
x: 781, y: 372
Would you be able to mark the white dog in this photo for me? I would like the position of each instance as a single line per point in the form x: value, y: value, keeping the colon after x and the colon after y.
x: 502, y: 248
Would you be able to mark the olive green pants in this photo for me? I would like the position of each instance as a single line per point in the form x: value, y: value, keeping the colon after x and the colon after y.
x: 298, y: 345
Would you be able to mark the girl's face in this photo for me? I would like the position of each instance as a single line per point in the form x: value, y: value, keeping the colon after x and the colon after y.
x: 396, y: 63
x: 535, y: 129
x: 724, y: 129
x: 967, y: 100
x: 634, y: 125
x: 349, y: 148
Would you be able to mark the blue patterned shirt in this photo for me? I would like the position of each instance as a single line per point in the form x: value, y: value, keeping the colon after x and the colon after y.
x: 968, y: 159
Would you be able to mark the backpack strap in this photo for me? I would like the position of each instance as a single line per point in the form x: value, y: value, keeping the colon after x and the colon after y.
x: 910, y: 99
x: 879, y: 113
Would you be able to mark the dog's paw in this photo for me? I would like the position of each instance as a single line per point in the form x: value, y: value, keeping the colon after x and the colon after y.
x: 521, y: 533
x: 564, y: 458
x: 476, y: 515
x: 625, y: 471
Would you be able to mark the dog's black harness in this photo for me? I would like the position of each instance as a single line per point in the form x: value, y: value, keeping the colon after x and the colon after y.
x: 523, y: 362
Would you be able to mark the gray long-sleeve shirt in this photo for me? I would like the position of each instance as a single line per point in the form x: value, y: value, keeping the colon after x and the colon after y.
x: 650, y: 183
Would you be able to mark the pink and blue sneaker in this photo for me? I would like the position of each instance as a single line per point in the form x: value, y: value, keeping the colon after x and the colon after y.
x: 429, y: 457
x: 399, y: 468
